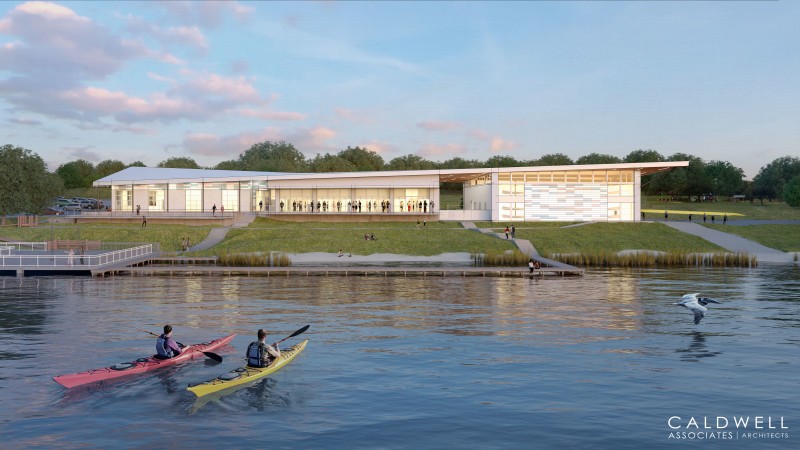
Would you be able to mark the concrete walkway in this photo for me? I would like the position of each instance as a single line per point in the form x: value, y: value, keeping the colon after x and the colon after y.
x: 523, y: 245
x: 217, y: 235
x: 733, y: 243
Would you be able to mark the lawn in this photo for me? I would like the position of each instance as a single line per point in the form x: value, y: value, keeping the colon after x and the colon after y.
x: 391, y: 237
x: 769, y: 211
x: 169, y: 236
x: 613, y: 237
x: 782, y: 237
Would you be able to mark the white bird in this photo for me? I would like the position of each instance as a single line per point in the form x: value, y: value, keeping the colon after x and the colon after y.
x: 696, y: 304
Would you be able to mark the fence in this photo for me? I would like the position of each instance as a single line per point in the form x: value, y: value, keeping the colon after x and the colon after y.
x: 41, y: 258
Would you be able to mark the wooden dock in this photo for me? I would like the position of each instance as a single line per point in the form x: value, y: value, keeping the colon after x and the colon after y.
x: 351, y: 271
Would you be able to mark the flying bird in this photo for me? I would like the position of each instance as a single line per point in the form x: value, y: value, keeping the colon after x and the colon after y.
x: 696, y: 304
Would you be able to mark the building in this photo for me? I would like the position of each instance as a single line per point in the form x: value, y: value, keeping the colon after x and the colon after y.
x: 598, y: 192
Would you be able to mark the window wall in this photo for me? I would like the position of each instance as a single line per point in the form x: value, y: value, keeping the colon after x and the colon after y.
x: 123, y: 198
x: 566, y: 195
x: 156, y: 197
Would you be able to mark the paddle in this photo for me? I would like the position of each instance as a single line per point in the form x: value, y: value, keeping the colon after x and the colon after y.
x: 296, y: 333
x: 211, y: 355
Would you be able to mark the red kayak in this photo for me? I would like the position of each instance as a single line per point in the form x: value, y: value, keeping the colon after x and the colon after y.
x: 139, y: 366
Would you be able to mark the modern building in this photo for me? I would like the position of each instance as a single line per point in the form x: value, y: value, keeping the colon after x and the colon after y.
x: 598, y: 192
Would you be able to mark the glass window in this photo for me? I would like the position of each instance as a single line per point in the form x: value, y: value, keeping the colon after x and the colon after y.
x: 194, y: 199
x: 558, y: 177
x: 230, y: 199
x: 572, y: 177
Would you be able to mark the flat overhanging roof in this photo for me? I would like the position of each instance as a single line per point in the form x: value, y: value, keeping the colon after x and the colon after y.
x: 148, y: 175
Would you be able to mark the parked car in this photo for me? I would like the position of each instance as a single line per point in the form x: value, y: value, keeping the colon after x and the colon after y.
x: 72, y: 207
x: 52, y: 211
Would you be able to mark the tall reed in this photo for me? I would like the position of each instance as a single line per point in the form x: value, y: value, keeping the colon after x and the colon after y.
x: 496, y: 258
x: 266, y: 259
x: 657, y: 259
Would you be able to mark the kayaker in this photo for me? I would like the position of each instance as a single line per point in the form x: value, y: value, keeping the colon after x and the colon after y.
x: 259, y: 353
x: 166, y: 347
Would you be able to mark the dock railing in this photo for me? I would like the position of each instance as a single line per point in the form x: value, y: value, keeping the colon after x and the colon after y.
x: 41, y: 258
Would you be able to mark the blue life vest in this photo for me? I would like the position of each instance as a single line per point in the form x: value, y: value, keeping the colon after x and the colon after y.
x: 162, y: 350
x: 255, y: 354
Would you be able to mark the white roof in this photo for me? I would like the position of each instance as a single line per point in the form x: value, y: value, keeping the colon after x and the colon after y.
x: 158, y: 175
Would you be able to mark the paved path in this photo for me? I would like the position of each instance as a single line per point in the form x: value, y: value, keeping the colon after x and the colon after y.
x: 217, y: 235
x: 523, y: 245
x: 733, y: 243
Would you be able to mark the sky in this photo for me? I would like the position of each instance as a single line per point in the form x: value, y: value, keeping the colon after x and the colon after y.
x: 153, y: 80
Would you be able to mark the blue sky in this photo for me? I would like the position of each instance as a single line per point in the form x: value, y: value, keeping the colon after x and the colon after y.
x: 153, y: 80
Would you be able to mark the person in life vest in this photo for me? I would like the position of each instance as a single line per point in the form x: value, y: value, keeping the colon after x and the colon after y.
x: 259, y: 353
x: 166, y: 347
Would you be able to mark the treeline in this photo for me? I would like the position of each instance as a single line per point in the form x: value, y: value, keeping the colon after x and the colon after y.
x: 778, y: 180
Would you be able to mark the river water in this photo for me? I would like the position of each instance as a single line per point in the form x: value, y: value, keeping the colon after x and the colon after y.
x: 600, y: 361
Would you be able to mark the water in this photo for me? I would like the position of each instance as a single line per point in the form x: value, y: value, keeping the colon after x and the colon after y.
x: 601, y: 361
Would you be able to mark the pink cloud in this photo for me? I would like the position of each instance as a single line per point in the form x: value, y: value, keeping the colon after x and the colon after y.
x: 208, y: 144
x: 189, y: 36
x: 437, y: 126
x: 272, y: 115
x: 501, y: 145
x: 433, y: 150
x: 207, y: 14
x: 357, y: 117
x: 307, y: 141
x: 56, y: 43
x: 478, y: 134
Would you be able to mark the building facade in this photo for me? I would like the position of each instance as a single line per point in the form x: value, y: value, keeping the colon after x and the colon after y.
x: 603, y: 192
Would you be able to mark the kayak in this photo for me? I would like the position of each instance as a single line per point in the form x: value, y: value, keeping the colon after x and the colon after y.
x: 140, y: 365
x: 247, y: 374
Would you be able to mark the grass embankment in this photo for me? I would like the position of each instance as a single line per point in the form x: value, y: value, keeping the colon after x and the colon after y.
x: 782, y: 237
x: 169, y: 236
x: 735, y: 210
x: 600, y: 244
x: 611, y: 237
x: 265, y: 235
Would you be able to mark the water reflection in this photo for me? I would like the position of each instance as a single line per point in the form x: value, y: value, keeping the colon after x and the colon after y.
x: 696, y: 349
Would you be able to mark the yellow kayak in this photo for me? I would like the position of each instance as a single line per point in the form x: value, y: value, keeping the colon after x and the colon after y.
x: 247, y: 374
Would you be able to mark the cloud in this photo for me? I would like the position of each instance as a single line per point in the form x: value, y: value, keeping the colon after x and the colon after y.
x: 501, y: 145
x: 307, y: 140
x: 82, y: 153
x: 55, y: 42
x: 28, y: 122
x: 381, y: 148
x: 189, y: 36
x: 433, y: 150
x: 272, y: 115
x: 437, y: 126
x: 358, y: 117
x: 496, y: 143
x: 207, y: 14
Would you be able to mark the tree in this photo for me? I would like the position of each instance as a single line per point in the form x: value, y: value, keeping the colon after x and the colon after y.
x: 640, y: 155
x: 554, y: 159
x: 502, y: 161
x: 791, y: 192
x: 107, y: 167
x: 410, y: 162
x: 460, y: 163
x: 597, y: 158
x: 331, y: 163
x: 25, y: 184
x: 181, y: 162
x: 231, y: 164
x: 362, y: 159
x: 771, y: 179
x: 725, y: 178
x: 273, y: 157
x: 77, y: 174
x: 136, y: 164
